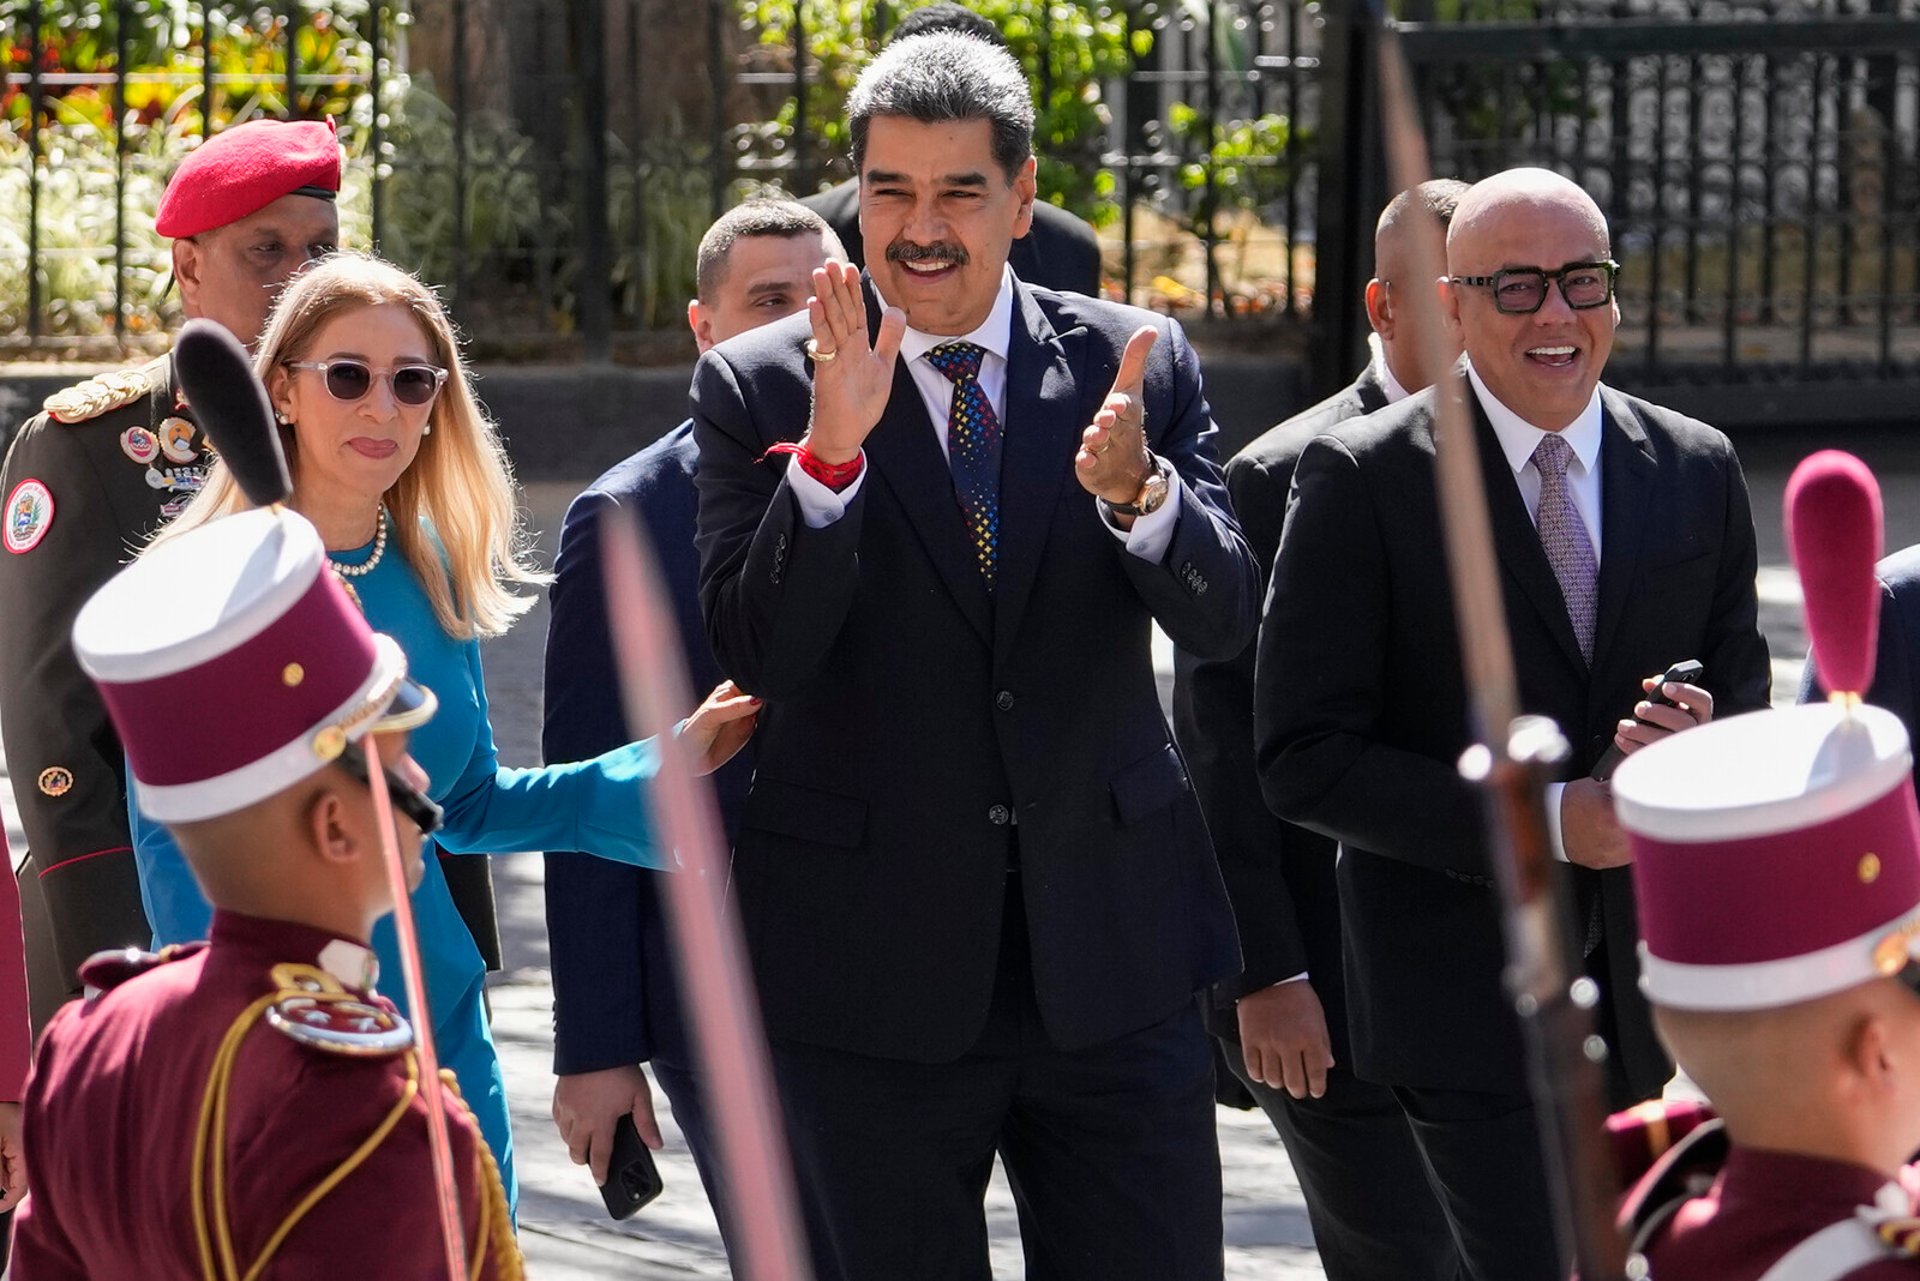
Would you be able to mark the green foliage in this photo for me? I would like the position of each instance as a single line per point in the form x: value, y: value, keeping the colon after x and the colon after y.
x: 420, y: 201
x: 660, y: 210
x: 1249, y: 158
x: 77, y: 217
x: 1069, y: 48
x: 166, y: 60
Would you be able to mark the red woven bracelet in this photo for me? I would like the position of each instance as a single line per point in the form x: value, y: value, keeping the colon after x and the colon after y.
x: 835, y: 476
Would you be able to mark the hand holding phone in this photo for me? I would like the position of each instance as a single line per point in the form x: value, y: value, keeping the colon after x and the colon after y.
x: 632, y: 1177
x: 1688, y: 672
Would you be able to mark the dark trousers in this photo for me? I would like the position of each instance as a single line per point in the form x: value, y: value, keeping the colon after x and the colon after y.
x: 1373, y: 1212
x: 682, y: 1087
x: 1482, y: 1156
x: 49, y: 985
x: 1110, y: 1150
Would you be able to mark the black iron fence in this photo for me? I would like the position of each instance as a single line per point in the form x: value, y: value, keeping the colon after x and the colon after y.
x: 1759, y: 163
x: 552, y: 163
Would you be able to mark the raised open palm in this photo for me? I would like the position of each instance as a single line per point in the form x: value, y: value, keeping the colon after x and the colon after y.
x: 852, y: 378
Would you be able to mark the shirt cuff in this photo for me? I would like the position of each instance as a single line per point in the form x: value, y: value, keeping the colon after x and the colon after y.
x: 1301, y: 977
x: 1151, y: 535
x: 1555, y: 841
x: 820, y: 506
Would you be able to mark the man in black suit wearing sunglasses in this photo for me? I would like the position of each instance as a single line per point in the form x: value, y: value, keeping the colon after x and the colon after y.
x: 1626, y: 544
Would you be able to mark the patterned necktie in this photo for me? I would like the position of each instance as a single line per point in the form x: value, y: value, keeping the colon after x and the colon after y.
x: 1564, y: 536
x: 973, y: 449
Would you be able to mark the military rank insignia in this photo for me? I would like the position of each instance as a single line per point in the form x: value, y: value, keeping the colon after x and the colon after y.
x: 340, y: 1025
x: 28, y: 514
x: 96, y: 396
x: 315, y: 1009
x: 140, y: 444
x: 176, y: 440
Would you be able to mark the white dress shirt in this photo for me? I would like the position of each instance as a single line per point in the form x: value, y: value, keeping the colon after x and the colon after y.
x: 820, y: 506
x: 1518, y: 439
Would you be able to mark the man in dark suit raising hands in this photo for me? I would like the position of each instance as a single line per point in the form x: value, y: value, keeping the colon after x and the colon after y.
x: 1626, y: 544
x: 976, y: 884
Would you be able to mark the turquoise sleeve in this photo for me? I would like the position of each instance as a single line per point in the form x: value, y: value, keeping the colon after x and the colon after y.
x: 177, y: 910
x: 598, y: 806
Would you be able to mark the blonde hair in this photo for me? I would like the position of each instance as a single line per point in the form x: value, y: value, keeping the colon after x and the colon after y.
x: 459, y: 487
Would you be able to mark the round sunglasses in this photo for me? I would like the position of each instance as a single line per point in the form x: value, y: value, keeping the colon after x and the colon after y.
x: 349, y: 380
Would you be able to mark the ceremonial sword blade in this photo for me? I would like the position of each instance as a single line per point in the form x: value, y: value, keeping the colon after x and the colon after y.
x: 413, y: 972
x: 737, y: 1077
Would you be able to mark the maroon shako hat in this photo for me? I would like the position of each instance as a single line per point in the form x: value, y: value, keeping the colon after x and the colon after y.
x: 1777, y: 854
x: 234, y: 665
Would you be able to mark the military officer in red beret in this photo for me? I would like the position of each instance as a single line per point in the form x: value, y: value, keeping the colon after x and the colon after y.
x: 1777, y: 873
x: 249, y: 1106
x: 85, y: 483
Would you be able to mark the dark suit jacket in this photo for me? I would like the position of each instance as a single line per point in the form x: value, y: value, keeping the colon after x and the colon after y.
x: 1896, y: 670
x: 615, y: 1000
x: 911, y: 715
x: 1279, y: 877
x: 1060, y: 252
x: 1362, y: 709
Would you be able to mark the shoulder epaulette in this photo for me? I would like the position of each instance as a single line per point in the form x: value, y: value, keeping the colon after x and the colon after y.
x: 97, y: 395
x: 1685, y: 1171
x: 1642, y: 1134
x: 312, y: 1007
x: 104, y: 971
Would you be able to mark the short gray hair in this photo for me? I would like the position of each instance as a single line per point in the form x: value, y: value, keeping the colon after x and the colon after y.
x: 943, y: 76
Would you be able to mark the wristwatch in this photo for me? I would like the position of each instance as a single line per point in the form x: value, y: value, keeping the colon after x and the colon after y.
x: 1152, y: 495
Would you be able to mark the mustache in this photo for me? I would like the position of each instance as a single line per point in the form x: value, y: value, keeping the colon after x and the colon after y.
x: 940, y: 251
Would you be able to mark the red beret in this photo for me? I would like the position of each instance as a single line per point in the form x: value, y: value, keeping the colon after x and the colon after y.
x: 243, y: 169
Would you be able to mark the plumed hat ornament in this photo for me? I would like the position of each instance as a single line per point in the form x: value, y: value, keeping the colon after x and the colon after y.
x: 1834, y: 530
x: 1777, y: 854
x: 230, y: 403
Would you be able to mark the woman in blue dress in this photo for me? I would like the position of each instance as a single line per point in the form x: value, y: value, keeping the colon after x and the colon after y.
x: 405, y: 478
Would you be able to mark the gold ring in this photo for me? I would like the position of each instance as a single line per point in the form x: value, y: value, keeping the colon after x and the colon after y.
x: 819, y: 357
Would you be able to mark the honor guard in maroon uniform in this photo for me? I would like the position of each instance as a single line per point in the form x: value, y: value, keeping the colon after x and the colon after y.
x: 1777, y: 872
x: 86, y: 482
x: 261, y: 1103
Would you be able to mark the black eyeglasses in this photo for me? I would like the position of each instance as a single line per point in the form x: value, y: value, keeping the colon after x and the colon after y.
x: 406, y: 798
x: 349, y: 380
x: 1521, y: 291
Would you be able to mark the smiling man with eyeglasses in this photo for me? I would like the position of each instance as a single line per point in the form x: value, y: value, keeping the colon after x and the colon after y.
x: 1626, y: 545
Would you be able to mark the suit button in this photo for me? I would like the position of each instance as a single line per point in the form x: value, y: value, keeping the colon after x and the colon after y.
x: 999, y: 816
x: 1004, y: 700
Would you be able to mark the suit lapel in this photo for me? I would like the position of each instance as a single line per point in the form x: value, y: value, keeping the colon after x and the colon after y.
x: 1521, y: 554
x: 904, y: 453
x: 1042, y: 433
x: 1627, y: 473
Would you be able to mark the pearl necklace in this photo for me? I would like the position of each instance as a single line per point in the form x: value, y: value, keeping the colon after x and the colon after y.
x: 379, y: 549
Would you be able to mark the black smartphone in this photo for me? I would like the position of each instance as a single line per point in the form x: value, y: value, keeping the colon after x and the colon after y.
x: 632, y: 1177
x: 1685, y: 673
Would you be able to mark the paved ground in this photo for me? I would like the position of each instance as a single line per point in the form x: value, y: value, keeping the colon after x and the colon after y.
x: 566, y: 1234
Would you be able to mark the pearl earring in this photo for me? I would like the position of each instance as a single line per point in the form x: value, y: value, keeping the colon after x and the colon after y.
x: 280, y: 416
